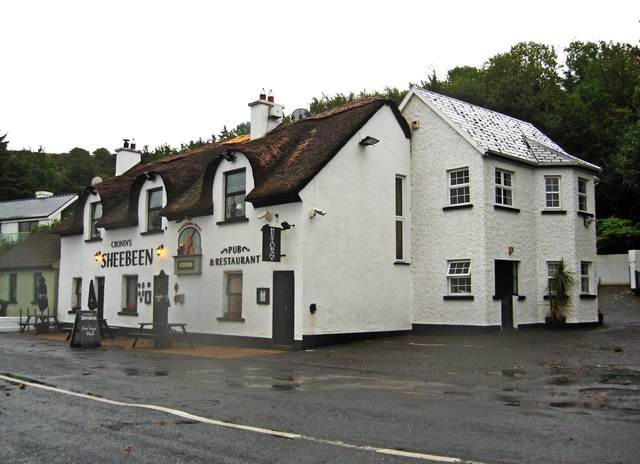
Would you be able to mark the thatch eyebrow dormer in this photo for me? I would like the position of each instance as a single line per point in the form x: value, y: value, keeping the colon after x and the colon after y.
x: 283, y: 162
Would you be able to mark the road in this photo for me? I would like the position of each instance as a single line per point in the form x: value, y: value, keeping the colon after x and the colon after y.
x: 523, y: 396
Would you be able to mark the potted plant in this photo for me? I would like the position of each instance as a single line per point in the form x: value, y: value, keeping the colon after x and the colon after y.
x: 560, y: 289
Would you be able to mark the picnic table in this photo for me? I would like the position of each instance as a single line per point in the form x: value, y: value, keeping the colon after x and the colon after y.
x: 37, y: 319
x: 162, y: 333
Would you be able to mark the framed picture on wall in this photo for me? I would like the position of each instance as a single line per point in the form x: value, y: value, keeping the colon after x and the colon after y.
x: 263, y: 296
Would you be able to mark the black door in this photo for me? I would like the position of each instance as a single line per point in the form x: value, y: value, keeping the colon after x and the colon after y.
x: 161, y: 298
x: 100, y: 298
x: 283, y: 306
x: 506, y: 277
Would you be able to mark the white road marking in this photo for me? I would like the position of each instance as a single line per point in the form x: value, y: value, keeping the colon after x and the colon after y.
x: 248, y: 428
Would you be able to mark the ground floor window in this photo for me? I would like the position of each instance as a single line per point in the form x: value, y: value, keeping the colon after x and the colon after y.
x: 130, y: 297
x: 76, y: 294
x: 233, y: 295
x: 13, y: 288
x: 585, y: 277
x: 552, y: 272
x: 36, y: 283
x: 459, y: 276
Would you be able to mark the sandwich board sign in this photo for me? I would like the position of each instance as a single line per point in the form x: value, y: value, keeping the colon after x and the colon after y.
x: 86, y: 330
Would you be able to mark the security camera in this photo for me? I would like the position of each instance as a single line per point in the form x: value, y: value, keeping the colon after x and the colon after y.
x: 315, y: 211
x: 266, y: 215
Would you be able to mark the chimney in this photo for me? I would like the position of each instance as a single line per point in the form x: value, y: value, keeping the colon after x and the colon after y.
x: 126, y: 157
x: 265, y: 115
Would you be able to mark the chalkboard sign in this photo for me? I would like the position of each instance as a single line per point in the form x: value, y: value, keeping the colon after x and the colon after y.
x: 86, y: 330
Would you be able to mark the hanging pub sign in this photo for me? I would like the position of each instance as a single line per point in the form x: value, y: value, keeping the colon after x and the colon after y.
x: 271, y: 244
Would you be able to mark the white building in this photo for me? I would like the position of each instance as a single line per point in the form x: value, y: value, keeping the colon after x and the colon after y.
x: 496, y: 205
x: 348, y: 223
x: 18, y: 217
x: 297, y: 236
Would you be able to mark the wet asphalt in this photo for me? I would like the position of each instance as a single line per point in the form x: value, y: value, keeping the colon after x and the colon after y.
x: 531, y: 395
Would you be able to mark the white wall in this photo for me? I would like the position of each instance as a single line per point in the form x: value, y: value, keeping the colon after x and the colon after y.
x: 349, y: 254
x: 613, y: 269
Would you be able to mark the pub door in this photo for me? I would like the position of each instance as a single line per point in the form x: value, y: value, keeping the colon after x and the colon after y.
x: 161, y: 298
x: 283, y: 307
x: 506, y: 285
x: 100, y: 296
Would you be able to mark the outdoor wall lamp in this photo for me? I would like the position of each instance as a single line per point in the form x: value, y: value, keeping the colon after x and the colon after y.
x: 368, y: 141
x: 287, y: 226
x: 315, y: 211
x: 587, y: 220
x: 92, y: 190
x: 160, y: 250
x: 98, y: 257
x: 149, y: 175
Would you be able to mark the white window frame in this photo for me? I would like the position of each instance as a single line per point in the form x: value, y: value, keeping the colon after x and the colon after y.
x: 552, y: 271
x: 459, y: 181
x: 459, y: 276
x: 504, y: 187
x: 585, y: 277
x: 551, y: 196
x: 583, y: 195
x: 94, y: 233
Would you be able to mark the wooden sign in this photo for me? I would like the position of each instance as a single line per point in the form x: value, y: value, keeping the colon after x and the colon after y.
x: 86, y: 330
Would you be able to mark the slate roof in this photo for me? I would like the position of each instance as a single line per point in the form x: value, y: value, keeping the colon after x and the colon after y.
x: 499, y: 134
x: 33, y: 208
x: 283, y: 162
x: 40, y: 250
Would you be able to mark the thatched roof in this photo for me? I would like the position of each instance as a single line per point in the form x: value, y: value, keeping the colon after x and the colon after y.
x: 283, y: 162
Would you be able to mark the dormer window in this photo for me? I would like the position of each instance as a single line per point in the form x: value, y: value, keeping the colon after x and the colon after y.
x: 234, y: 193
x: 154, y: 205
x: 96, y: 214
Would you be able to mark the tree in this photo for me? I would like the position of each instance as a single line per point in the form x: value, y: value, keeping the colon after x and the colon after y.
x: 3, y: 143
x: 616, y: 235
x: 326, y: 103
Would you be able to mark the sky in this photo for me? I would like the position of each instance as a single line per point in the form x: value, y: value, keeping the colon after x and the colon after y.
x: 89, y: 74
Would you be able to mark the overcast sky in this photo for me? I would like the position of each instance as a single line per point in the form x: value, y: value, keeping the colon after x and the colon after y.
x: 88, y: 74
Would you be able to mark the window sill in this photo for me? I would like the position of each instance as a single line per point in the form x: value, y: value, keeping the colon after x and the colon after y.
x: 585, y: 214
x: 401, y: 263
x: 553, y: 211
x: 588, y: 296
x: 457, y: 297
x: 230, y: 318
x: 509, y: 209
x: 124, y: 312
x: 152, y: 232
x: 464, y: 206
x: 232, y: 221
x: 93, y: 239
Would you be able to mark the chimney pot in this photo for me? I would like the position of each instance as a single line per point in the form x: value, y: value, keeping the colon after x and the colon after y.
x: 270, y: 98
x: 263, y: 95
x: 133, y: 144
x: 126, y: 143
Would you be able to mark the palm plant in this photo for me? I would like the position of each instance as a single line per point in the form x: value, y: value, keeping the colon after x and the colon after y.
x: 560, y: 289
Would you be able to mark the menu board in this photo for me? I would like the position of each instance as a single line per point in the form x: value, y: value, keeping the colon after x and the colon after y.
x: 86, y: 330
